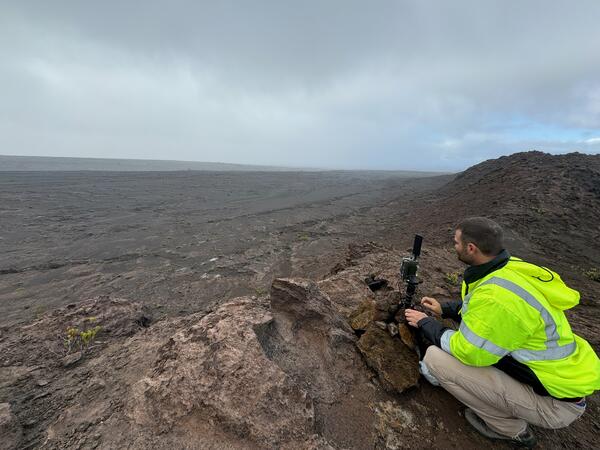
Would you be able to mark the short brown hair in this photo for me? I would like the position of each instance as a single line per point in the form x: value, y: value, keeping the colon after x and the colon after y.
x: 486, y: 234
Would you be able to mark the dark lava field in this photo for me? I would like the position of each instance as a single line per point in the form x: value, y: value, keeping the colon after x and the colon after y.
x: 180, y: 241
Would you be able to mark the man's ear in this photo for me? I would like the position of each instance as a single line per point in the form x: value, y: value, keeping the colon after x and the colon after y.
x: 471, y: 248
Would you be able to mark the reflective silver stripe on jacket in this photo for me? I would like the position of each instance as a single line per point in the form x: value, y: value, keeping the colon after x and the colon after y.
x: 445, y: 340
x: 544, y: 355
x: 552, y: 352
x: 465, y: 304
x: 550, y: 325
x: 480, y: 342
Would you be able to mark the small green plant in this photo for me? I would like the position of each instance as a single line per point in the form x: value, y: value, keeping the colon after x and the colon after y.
x: 452, y: 278
x: 39, y: 311
x: 303, y: 237
x: 71, y: 338
x: 88, y: 336
x: 593, y: 274
x: 81, y: 339
x: 260, y: 291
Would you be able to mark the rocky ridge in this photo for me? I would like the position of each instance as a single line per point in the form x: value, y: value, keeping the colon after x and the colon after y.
x: 549, y: 204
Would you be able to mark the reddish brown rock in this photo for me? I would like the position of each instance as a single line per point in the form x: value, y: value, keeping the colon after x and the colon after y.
x: 396, y: 364
x: 406, y: 335
x: 312, y: 342
x: 215, y: 371
x: 346, y: 290
x: 369, y: 311
x: 364, y: 315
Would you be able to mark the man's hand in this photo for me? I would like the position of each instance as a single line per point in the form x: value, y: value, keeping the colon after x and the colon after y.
x: 413, y: 317
x: 432, y: 305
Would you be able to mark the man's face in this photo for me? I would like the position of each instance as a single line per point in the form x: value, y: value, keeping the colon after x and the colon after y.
x: 462, y: 250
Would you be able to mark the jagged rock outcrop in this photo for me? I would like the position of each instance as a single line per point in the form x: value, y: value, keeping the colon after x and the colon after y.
x: 311, y: 341
x: 278, y: 372
x: 215, y: 374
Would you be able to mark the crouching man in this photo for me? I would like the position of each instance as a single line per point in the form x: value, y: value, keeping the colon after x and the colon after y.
x: 514, y: 360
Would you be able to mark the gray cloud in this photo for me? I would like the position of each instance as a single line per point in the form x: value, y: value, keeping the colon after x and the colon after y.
x: 416, y: 85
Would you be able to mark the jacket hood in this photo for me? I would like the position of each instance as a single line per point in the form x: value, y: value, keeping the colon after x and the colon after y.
x: 547, y: 282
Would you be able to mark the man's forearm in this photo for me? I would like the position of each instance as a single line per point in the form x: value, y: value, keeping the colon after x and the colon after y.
x: 432, y: 330
x: 450, y: 310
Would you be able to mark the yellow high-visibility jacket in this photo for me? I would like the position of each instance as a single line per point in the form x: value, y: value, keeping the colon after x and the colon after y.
x: 518, y: 310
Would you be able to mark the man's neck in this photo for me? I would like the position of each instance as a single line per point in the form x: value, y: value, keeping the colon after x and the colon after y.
x: 482, y: 259
x: 478, y: 271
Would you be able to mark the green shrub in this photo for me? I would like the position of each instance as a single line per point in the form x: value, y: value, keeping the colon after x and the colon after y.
x: 452, y: 278
x: 260, y: 291
x: 81, y: 339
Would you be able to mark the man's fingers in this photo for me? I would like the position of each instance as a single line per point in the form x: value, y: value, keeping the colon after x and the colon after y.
x: 431, y: 304
x: 428, y: 304
x: 413, y: 317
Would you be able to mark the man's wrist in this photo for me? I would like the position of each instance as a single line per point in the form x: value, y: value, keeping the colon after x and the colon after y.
x: 446, y: 309
x: 424, y: 320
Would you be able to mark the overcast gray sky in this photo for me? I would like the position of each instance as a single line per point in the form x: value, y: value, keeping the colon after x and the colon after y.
x: 433, y: 85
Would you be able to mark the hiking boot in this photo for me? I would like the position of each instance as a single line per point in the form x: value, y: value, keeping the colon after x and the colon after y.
x: 526, y: 438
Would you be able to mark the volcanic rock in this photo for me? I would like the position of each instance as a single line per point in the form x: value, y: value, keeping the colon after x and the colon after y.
x: 364, y: 315
x: 536, y: 196
x: 396, y: 365
x: 71, y: 359
x: 215, y: 372
x: 281, y: 372
x: 116, y: 318
x: 10, y: 429
x: 310, y: 340
x: 301, y: 301
x: 268, y: 373
x: 346, y: 290
x: 380, y: 309
x: 406, y: 336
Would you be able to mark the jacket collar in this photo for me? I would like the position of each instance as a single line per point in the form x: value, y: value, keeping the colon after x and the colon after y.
x: 474, y: 273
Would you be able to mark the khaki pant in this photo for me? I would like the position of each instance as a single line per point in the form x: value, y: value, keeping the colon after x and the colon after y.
x: 501, y: 401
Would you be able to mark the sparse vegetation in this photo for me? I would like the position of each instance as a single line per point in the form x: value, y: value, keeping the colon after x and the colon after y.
x: 452, y: 278
x: 39, y: 311
x: 593, y: 274
x: 303, y: 237
x: 260, y: 291
x: 81, y: 339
